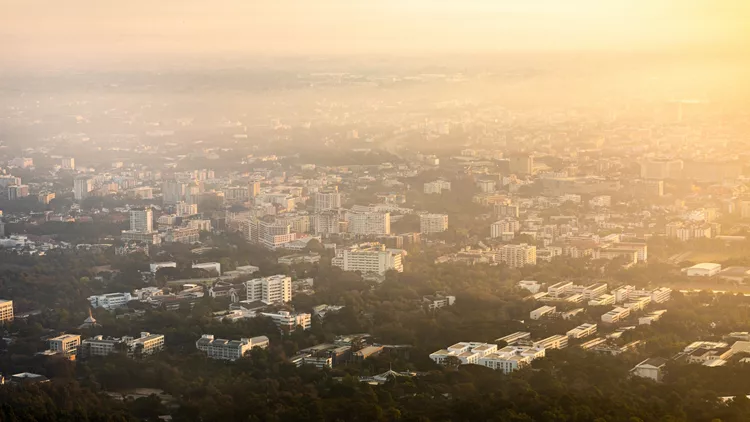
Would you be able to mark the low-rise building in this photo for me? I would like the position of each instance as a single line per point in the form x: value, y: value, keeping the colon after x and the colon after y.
x: 229, y: 349
x: 511, y: 358
x: 65, y: 344
x: 553, y: 342
x: 583, y: 330
x: 438, y: 301
x: 705, y: 269
x: 465, y: 352
x: 542, y: 311
x: 6, y: 311
x: 289, y: 321
x: 652, y: 368
x: 602, y: 300
x: 514, y: 338
x: 616, y: 315
x: 110, y: 300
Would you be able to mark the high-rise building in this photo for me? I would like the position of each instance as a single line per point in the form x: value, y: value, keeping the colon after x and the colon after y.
x: 433, y: 223
x: 522, y: 164
x: 142, y: 220
x: 516, y: 256
x: 327, y: 222
x: 18, y: 191
x: 172, y: 191
x: 273, y: 289
x: 6, y: 310
x: 81, y: 187
x: 498, y: 228
x: 184, y: 209
x: 661, y: 169
x: 368, y: 223
x: 254, y: 189
x: 327, y: 201
x: 68, y: 163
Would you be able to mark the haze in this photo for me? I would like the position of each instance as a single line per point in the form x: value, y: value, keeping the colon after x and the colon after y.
x: 84, y: 32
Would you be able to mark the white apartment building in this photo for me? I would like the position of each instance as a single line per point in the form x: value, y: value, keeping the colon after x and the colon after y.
x: 327, y: 201
x: 110, y: 301
x: 616, y: 315
x: 272, y: 289
x: 433, y: 223
x: 142, y: 220
x: 542, y: 311
x: 65, y: 344
x: 288, y: 321
x: 156, y: 266
x: 369, y: 258
x: 327, y: 222
x: 661, y: 295
x: 511, y: 358
x: 583, y: 330
x: 638, y: 303
x: 517, y: 256
x: 368, y: 223
x: 229, y: 349
x: 514, y: 337
x: 553, y: 342
x: 466, y: 352
x: 6, y: 310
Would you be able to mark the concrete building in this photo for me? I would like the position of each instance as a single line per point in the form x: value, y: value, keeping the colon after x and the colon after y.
x: 369, y: 258
x: 514, y: 338
x: 522, y: 164
x: 65, y: 344
x: 368, y: 223
x: 288, y: 321
x: 652, y: 368
x: 272, y: 289
x: 542, y: 311
x: 616, y: 315
x: 82, y: 185
x: 660, y: 169
x: 705, y: 269
x: 517, y: 256
x: 325, y: 201
x: 182, y: 209
x: 172, y: 191
x: 142, y: 220
x: 18, y: 191
x: 186, y: 235
x: 68, y: 163
x: 553, y: 342
x: 560, y: 289
x: 110, y: 301
x: 502, y: 227
x: 465, y: 352
x: 6, y: 311
x: 438, y: 301
x: 437, y: 186
x: 229, y: 349
x: 583, y: 330
x: 602, y: 300
x: 507, y: 210
x: 146, y: 344
x: 208, y: 266
x: 511, y: 358
x: 433, y: 223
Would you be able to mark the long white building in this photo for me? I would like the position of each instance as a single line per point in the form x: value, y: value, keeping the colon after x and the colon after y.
x: 229, y: 349
x: 289, y: 321
x: 511, y: 358
x: 272, y: 289
x: 369, y: 258
x: 65, y: 344
x: 583, y: 330
x: 110, y: 300
x: 368, y: 223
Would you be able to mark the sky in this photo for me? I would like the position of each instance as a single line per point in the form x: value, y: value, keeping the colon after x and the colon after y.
x: 44, y: 32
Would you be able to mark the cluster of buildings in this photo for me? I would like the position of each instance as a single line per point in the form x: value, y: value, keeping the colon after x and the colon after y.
x: 71, y: 346
x: 512, y: 255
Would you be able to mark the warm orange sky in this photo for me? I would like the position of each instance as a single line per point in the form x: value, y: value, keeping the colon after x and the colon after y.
x: 36, y: 31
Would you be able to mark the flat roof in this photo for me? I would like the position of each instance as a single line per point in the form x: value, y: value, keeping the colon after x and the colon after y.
x: 705, y: 266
